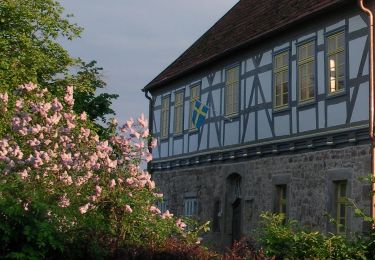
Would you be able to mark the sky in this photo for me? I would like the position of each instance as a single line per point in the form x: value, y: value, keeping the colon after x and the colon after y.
x: 134, y: 40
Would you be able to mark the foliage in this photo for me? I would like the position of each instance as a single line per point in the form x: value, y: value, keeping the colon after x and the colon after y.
x: 288, y: 241
x: 30, y: 52
x: 243, y: 250
x: 61, y: 185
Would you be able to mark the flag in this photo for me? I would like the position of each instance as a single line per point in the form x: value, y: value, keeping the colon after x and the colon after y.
x: 199, y: 114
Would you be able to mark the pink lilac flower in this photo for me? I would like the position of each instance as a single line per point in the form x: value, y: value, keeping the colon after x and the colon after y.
x: 166, y: 215
x: 83, y: 209
x: 128, y: 209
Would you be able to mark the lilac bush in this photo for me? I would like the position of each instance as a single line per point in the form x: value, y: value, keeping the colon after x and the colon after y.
x: 61, y: 185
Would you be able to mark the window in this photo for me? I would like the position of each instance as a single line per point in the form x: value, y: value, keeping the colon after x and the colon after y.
x: 231, y: 91
x: 306, y: 71
x: 341, y: 208
x: 335, y: 62
x: 190, y: 207
x: 164, y: 128
x: 281, y: 196
x: 194, y: 96
x: 178, y: 112
x: 216, y: 216
x: 281, y: 79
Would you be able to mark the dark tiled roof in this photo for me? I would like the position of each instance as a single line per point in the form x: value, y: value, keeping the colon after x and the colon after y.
x: 247, y: 21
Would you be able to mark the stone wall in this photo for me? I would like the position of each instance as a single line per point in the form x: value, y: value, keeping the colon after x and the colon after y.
x: 309, y: 177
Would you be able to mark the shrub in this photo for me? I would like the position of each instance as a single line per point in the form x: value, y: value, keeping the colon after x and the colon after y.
x: 288, y: 240
x: 65, y: 192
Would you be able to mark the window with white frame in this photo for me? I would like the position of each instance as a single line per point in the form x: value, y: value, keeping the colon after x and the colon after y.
x: 306, y: 71
x: 336, y: 62
x: 190, y: 206
x: 194, y: 96
x: 232, y: 91
x: 281, y: 79
x: 178, y: 112
x: 164, y: 126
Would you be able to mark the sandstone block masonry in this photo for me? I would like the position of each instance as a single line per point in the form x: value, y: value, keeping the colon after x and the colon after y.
x: 309, y: 177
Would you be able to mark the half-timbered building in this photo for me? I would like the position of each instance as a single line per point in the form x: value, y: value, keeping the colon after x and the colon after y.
x: 286, y: 83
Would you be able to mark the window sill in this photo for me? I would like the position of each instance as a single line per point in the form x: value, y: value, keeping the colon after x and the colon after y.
x: 281, y: 109
x: 178, y: 135
x: 164, y: 139
x: 231, y: 116
x: 335, y: 94
x: 306, y: 103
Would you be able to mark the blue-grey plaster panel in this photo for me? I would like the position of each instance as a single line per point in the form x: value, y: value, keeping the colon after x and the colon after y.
x: 204, y: 98
x: 204, y: 83
x: 157, y: 121
x: 164, y: 149
x: 231, y: 133
x: 193, y: 142
x: 186, y: 140
x: 282, y: 46
x: 307, y: 120
x: 250, y: 128
x: 157, y: 100
x: 294, y: 120
x: 170, y: 146
x: 356, y: 48
x: 171, y: 119
x: 216, y: 102
x: 265, y: 79
x: 155, y: 153
x: 282, y: 126
x: 217, y: 78
x: 203, y: 131
x: 335, y: 26
x: 366, y: 67
x: 266, y: 58
x: 360, y: 111
x: 249, y: 88
x: 356, y: 23
x: 294, y: 83
x: 321, y: 113
x: 264, y: 128
x: 321, y: 73
x: 320, y: 37
x: 307, y: 36
x: 186, y: 114
x: 177, y: 146
x: 249, y: 65
x: 214, y: 142
x: 336, y: 114
x: 242, y: 95
x: 243, y: 64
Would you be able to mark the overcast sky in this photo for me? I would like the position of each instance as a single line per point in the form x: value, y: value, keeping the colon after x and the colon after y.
x: 134, y: 40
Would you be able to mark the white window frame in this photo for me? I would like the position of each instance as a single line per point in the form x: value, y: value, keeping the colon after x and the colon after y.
x: 232, y: 89
x: 334, y: 54
x: 304, y: 62
x: 164, y: 124
x: 179, y: 104
x: 280, y: 71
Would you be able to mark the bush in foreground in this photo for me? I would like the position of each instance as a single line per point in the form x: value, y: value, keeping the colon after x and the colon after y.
x: 66, y: 193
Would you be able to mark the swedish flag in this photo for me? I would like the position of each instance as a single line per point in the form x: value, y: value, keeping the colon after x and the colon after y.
x: 199, y: 114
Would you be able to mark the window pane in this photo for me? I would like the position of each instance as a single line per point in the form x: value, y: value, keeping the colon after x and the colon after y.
x: 340, y: 40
